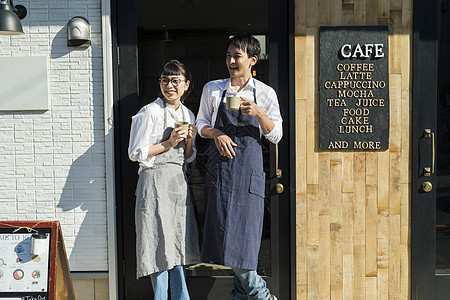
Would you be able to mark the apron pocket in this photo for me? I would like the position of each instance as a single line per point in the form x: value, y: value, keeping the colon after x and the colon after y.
x: 257, y: 183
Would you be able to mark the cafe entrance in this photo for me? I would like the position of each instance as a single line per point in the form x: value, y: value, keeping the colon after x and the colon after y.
x: 431, y: 148
x: 148, y: 34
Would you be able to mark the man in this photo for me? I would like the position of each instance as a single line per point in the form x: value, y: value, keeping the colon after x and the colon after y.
x: 235, y: 180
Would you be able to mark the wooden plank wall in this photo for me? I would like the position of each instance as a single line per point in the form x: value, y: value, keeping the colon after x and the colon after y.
x: 353, y: 219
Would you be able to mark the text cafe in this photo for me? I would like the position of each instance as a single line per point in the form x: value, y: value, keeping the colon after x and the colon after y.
x: 354, y: 88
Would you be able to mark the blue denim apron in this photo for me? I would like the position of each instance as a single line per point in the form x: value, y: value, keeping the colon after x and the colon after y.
x: 234, y: 194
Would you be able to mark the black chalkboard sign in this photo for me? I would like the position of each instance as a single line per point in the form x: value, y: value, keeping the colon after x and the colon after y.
x: 354, y: 88
x: 33, y: 261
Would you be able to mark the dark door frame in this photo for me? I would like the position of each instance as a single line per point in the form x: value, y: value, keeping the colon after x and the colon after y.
x: 126, y: 102
x: 126, y: 99
x: 282, y: 46
x: 424, y: 283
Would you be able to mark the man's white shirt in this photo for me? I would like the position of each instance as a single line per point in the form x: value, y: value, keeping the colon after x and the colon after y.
x: 266, y: 98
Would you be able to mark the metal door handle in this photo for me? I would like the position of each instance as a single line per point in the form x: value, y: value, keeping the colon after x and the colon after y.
x: 428, y: 134
x: 427, y: 186
x: 279, y: 188
x: 278, y: 172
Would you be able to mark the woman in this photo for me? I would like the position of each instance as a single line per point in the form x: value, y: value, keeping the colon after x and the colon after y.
x: 166, y: 232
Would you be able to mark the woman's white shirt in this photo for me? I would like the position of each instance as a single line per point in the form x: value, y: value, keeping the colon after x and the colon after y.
x: 147, y: 128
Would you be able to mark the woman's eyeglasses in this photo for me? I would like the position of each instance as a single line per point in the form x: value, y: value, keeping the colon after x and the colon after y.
x: 174, y: 81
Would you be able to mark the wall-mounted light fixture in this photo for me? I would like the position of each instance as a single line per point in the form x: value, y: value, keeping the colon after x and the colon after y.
x: 9, y: 17
x: 78, y: 32
x: 166, y: 35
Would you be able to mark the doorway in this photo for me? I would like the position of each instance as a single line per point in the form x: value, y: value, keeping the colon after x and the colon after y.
x: 431, y: 148
x: 147, y: 35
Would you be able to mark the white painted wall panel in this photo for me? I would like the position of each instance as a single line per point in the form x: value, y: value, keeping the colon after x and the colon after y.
x: 52, y: 163
x: 24, y: 83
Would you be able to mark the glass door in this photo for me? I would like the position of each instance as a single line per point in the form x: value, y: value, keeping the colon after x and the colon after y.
x: 148, y: 34
x: 443, y: 145
x: 431, y: 153
x: 202, y: 51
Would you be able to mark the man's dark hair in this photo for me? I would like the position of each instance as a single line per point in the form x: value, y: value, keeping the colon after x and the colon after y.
x: 247, y: 42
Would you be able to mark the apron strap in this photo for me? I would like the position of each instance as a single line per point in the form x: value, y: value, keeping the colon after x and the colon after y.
x: 165, y: 112
x: 221, y: 101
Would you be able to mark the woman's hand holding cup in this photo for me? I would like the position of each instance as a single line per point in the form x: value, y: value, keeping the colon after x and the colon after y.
x: 192, y: 133
x: 184, y: 126
x: 176, y: 136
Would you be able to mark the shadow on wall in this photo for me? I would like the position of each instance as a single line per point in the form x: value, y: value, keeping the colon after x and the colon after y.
x: 59, y: 44
x: 77, y: 72
x: 83, y: 203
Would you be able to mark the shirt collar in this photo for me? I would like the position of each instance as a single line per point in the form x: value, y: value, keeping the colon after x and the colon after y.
x: 171, y: 107
x: 250, y: 84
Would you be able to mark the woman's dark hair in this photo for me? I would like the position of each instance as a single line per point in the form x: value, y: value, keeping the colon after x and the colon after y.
x: 247, y: 42
x: 174, y: 67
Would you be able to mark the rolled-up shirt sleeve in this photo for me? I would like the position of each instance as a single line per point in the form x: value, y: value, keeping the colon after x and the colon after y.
x: 193, y: 156
x: 141, y: 125
x: 272, y: 109
x: 205, y: 112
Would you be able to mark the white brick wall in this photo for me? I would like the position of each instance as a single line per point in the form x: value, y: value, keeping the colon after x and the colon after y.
x: 52, y: 163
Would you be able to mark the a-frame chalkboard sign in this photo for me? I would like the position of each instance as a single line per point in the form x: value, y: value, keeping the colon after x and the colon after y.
x: 33, y: 262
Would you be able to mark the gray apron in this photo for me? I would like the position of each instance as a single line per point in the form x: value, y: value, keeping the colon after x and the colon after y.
x: 166, y: 230
x: 234, y: 194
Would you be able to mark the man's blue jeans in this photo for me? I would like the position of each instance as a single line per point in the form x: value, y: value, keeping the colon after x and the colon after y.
x: 175, y: 279
x: 247, y: 284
